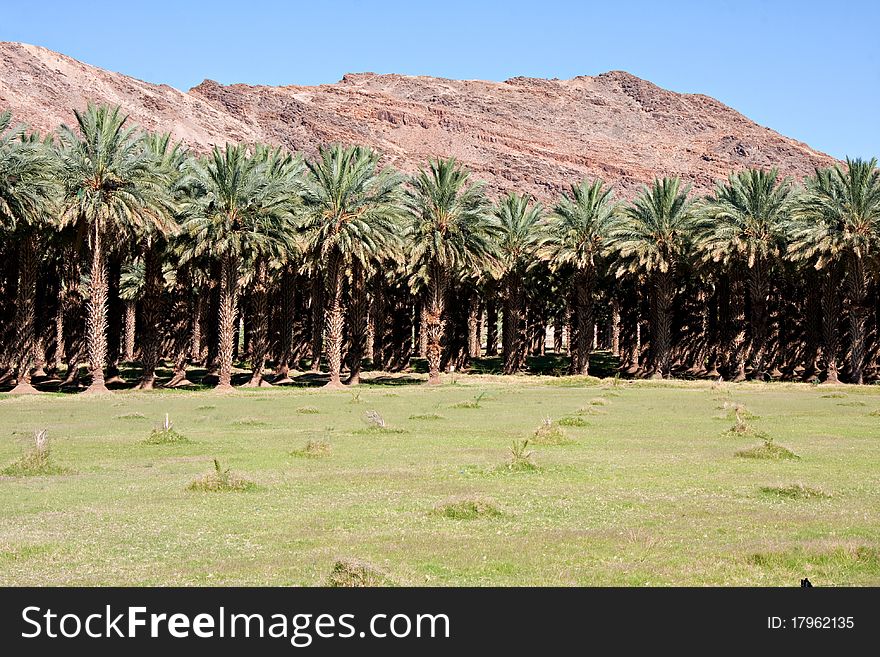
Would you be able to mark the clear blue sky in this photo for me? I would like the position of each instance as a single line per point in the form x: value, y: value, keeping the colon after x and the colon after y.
x: 810, y: 70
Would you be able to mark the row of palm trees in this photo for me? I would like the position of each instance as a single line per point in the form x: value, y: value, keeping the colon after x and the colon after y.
x: 120, y: 244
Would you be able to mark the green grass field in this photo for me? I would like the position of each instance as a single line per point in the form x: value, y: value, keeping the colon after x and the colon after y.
x: 644, y: 489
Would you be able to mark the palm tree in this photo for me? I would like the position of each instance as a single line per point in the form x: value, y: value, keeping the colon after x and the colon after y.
x: 169, y: 159
x: 838, y: 223
x: 236, y: 215
x: 578, y: 231
x: 351, y: 216
x: 27, y: 196
x: 651, y: 236
x: 110, y: 188
x: 451, y: 228
x: 518, y: 242
x: 743, y: 225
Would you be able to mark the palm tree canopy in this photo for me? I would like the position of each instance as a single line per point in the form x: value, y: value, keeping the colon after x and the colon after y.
x: 520, y: 234
x: 236, y: 209
x: 27, y: 177
x: 350, y: 205
x: 579, y: 228
x: 109, y: 179
x: 745, y: 218
x: 652, y: 233
x: 839, y: 214
x: 451, y: 223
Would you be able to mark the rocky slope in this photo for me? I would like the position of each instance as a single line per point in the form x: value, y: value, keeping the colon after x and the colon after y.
x: 523, y: 134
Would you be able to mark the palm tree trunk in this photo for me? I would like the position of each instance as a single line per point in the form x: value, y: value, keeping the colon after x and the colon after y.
x: 357, y: 322
x: 814, y: 321
x: 615, y: 327
x: 378, y: 318
x: 129, y: 330
x: 473, y: 324
x: 335, y: 319
x: 152, y: 315
x: 317, y: 308
x: 259, y: 337
x: 181, y: 319
x: 491, y: 324
x: 830, y: 315
x: 288, y: 324
x: 857, y: 285
x: 585, y: 282
x: 759, y: 291
x: 114, y: 319
x: 96, y: 323
x: 423, y: 329
x: 661, y: 321
x: 25, y: 315
x: 434, y: 307
x: 227, y: 313
x: 199, y: 317
x: 512, y: 325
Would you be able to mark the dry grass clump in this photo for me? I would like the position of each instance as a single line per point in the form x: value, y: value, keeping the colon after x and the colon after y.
x: 35, y: 462
x: 221, y: 481
x: 466, y: 508
x: 427, y: 416
x: 307, y: 410
x: 834, y: 395
x: 131, y: 416
x: 599, y: 401
x: 734, y: 410
x: 573, y: 421
x: 377, y: 424
x: 875, y: 413
x: 767, y: 450
x: 471, y: 403
x: 589, y: 410
x: 314, y: 448
x: 549, y: 434
x: 248, y: 422
x: 796, y: 492
x: 166, y: 434
x: 354, y: 573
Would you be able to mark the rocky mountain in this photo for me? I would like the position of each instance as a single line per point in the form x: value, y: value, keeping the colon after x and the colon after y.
x: 523, y: 134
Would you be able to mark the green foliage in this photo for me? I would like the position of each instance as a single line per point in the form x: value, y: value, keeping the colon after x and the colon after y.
x: 466, y: 508
x: 795, y: 492
x: 354, y: 573
x: 767, y: 450
x: 221, y: 480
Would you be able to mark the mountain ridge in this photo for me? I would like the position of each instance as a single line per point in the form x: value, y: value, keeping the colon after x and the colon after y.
x: 523, y: 134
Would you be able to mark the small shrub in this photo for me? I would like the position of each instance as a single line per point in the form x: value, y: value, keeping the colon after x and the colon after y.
x: 374, y: 419
x: 355, y: 397
x: 589, y: 410
x: 852, y: 403
x: 165, y: 434
x: 834, y: 395
x: 549, y: 434
x: 426, y: 416
x: 206, y: 407
x: 307, y: 410
x: 221, y: 481
x: 131, y: 416
x: 734, y: 410
x: 767, y: 450
x: 350, y: 573
x: 314, y: 449
x: 573, y: 421
x: 795, y: 492
x: 36, y: 462
x: 599, y: 401
x: 466, y: 509
x: 875, y: 413
x: 520, y: 457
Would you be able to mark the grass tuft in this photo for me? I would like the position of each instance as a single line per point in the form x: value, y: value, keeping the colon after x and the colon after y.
x: 466, y: 508
x: 36, y: 462
x: 354, y: 573
x: 767, y: 450
x: 131, y: 416
x: 221, y: 481
x: 550, y: 434
x: 307, y: 410
x: 427, y: 416
x: 573, y: 421
x: 795, y: 492
x: 314, y: 449
x: 599, y: 401
x: 248, y: 422
x: 520, y: 458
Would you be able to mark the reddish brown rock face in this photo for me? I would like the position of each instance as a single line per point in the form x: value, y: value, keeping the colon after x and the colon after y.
x: 524, y: 134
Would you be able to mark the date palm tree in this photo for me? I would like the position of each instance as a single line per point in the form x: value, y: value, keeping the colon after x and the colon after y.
x: 27, y: 199
x: 651, y: 237
x: 743, y: 225
x: 837, y: 223
x: 169, y: 159
x: 578, y: 233
x: 352, y: 210
x: 235, y: 215
x: 520, y: 235
x: 111, y: 187
x: 451, y: 229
